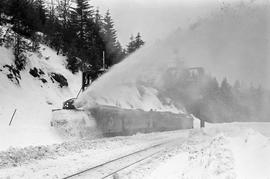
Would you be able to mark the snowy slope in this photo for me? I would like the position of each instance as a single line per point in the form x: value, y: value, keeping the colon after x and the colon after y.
x: 33, y: 99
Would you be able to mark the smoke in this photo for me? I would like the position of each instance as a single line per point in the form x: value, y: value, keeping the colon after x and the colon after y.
x: 232, y: 42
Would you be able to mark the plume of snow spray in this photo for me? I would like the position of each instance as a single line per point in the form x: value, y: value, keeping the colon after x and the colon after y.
x: 232, y: 42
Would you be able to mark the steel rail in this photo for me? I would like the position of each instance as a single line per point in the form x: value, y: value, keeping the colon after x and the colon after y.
x: 147, y: 157
x: 119, y: 158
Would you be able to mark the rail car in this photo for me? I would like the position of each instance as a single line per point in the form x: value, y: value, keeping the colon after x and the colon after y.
x: 112, y: 121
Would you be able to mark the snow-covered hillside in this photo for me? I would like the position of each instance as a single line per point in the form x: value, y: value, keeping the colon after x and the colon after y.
x: 33, y: 97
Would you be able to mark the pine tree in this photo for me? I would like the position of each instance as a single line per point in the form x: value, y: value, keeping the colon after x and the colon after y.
x: 80, y: 17
x: 225, y: 89
x: 25, y: 17
x: 20, y: 47
x: 131, y: 45
x: 24, y: 23
x: 211, y: 90
x: 135, y: 44
x: 109, y: 36
x: 3, y: 4
x: 41, y: 11
x: 120, y: 53
x: 63, y: 9
x: 98, y: 20
x: 52, y: 29
x: 138, y: 41
x: 81, y: 20
x: 95, y: 45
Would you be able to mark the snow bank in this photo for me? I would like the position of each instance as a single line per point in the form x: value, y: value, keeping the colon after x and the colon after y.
x: 32, y: 98
x: 221, y: 151
x: 61, y: 160
x: 251, y: 152
x: 75, y: 124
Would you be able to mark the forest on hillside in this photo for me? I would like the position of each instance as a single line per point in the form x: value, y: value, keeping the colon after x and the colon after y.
x: 78, y: 31
x: 73, y: 28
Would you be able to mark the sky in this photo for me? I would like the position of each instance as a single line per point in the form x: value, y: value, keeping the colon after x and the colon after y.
x: 154, y: 19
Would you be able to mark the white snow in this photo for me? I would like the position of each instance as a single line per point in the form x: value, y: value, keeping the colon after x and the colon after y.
x: 75, y: 124
x: 33, y: 99
x: 69, y: 158
x: 220, y: 151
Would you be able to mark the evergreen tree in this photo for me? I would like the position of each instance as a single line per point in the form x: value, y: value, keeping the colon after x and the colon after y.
x: 20, y: 47
x: 225, y: 89
x: 76, y: 32
x: 98, y: 20
x: 81, y: 16
x: 109, y: 36
x: 20, y: 11
x: 134, y: 44
x: 81, y: 20
x: 95, y: 45
x: 138, y: 41
x: 51, y: 19
x: 63, y: 9
x: 211, y: 90
x: 40, y: 11
x: 131, y: 45
x: 25, y: 18
x: 121, y: 53
x: 3, y: 4
x: 87, y: 43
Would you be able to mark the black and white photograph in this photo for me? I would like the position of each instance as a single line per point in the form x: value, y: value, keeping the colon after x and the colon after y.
x: 134, y: 89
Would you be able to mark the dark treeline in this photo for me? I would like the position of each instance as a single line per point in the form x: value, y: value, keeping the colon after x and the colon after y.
x: 227, y: 103
x: 74, y: 29
x: 207, y: 99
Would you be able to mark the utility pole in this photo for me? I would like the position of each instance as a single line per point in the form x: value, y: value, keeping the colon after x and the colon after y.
x: 103, y: 59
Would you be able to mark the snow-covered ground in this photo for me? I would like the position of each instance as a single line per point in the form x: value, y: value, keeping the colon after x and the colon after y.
x: 33, y: 99
x: 61, y: 160
x: 217, y: 151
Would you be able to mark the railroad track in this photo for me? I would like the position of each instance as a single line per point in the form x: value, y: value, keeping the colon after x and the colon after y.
x: 112, y: 167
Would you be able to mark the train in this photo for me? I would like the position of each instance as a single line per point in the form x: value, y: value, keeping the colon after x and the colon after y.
x: 114, y: 121
x: 109, y: 121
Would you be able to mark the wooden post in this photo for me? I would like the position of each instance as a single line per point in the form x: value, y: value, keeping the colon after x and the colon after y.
x: 202, y: 123
x: 12, y: 117
x: 103, y: 59
x: 79, y: 93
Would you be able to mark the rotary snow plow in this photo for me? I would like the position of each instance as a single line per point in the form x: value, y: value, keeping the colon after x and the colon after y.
x: 102, y: 120
x: 113, y: 121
